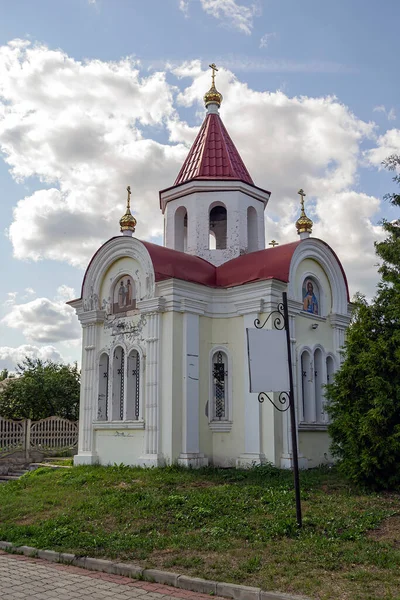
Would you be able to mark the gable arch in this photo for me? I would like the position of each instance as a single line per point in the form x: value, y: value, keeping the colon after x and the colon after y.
x: 320, y: 252
x: 118, y: 248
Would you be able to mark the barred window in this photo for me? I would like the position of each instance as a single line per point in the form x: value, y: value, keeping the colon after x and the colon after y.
x: 220, y: 385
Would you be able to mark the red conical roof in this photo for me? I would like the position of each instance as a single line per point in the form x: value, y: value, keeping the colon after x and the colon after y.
x: 213, y: 155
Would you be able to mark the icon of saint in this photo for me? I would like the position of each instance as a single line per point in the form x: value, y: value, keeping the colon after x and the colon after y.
x: 310, y: 302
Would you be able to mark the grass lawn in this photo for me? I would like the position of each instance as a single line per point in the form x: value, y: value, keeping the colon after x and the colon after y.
x: 229, y: 525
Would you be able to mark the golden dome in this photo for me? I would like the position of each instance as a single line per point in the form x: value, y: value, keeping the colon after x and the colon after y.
x: 213, y: 96
x: 128, y: 221
x: 303, y: 224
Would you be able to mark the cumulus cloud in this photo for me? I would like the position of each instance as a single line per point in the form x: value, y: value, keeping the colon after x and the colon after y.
x: 387, y: 144
x: 86, y: 129
x: 45, y: 321
x: 10, y: 357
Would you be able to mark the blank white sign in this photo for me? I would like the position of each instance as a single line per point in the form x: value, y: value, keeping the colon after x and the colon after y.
x: 268, y: 360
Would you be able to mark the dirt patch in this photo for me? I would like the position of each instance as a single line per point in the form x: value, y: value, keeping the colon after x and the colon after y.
x: 389, y: 531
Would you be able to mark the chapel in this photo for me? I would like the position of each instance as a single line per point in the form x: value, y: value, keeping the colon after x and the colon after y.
x: 165, y: 376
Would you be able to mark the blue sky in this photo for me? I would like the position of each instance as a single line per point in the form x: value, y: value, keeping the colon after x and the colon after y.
x: 96, y: 95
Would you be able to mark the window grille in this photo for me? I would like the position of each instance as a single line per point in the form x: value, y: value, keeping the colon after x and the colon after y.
x: 220, y: 393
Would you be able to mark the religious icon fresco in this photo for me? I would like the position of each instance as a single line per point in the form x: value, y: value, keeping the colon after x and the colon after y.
x: 124, y: 295
x: 310, y: 296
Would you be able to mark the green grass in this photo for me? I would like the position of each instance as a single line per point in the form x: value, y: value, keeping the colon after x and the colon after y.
x: 228, y: 525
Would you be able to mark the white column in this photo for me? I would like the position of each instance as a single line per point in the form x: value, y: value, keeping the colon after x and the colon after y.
x: 252, y: 412
x: 88, y: 396
x: 190, y: 455
x: 287, y: 453
x: 152, y: 455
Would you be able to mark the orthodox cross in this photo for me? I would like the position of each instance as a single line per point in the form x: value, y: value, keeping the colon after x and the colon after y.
x: 213, y: 66
x: 128, y: 189
x: 302, y: 194
x: 273, y: 243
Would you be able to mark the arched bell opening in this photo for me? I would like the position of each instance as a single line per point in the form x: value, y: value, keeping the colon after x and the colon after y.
x: 218, y: 227
x: 252, y: 230
x: 181, y: 229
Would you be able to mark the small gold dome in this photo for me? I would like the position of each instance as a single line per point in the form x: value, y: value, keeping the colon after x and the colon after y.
x: 303, y: 224
x: 128, y: 221
x: 213, y: 96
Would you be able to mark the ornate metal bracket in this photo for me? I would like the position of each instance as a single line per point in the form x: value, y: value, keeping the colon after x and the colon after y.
x: 278, y: 322
x: 283, y: 399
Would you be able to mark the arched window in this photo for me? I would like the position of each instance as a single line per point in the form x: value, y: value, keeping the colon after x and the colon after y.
x: 307, y: 387
x: 118, y: 385
x: 218, y: 226
x: 133, y: 386
x: 219, y: 409
x: 124, y: 296
x: 181, y: 229
x: 102, y: 402
x: 252, y: 233
x: 319, y: 382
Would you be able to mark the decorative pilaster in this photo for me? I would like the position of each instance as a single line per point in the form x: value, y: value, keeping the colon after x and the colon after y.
x: 339, y: 325
x: 253, y: 454
x: 287, y: 455
x: 190, y: 455
x: 152, y: 455
x: 88, y: 398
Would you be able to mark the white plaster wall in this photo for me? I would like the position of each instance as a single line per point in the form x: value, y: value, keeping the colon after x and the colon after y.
x: 198, y: 206
x: 314, y: 445
x: 119, y: 445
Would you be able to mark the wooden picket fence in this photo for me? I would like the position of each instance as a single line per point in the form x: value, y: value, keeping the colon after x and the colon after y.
x: 53, y: 433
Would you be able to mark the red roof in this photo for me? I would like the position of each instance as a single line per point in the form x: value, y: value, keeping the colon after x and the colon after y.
x: 270, y: 263
x: 213, y: 155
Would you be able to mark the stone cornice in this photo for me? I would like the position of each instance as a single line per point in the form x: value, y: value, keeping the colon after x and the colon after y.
x: 91, y: 317
x: 151, y: 305
x: 337, y: 320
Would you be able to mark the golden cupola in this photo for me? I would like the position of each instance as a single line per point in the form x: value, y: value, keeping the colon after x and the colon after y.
x: 213, y: 96
x: 303, y: 224
x: 128, y: 221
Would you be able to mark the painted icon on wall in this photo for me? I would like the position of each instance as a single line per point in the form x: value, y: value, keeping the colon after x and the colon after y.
x: 310, y: 297
x: 124, y: 295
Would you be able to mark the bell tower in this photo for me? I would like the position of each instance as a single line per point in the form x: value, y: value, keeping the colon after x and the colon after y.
x: 214, y: 210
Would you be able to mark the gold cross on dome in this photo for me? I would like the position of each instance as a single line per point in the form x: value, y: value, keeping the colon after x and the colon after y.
x: 213, y: 66
x: 128, y: 189
x: 273, y: 243
x: 303, y: 195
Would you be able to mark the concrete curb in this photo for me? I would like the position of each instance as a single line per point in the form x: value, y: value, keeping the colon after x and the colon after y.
x: 193, y: 584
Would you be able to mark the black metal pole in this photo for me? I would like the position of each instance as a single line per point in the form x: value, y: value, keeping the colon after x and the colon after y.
x: 292, y: 416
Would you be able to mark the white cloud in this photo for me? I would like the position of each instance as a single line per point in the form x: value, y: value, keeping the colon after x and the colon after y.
x: 390, y: 114
x: 387, y: 144
x: 45, y: 321
x: 11, y: 298
x: 86, y: 129
x: 264, y: 41
x: 238, y: 16
x: 184, y: 6
x: 10, y: 357
x: 30, y: 291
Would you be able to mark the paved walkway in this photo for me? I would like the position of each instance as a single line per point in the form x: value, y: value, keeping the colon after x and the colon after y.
x: 30, y: 578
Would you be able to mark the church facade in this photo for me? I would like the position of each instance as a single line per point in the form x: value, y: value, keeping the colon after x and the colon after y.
x: 165, y: 373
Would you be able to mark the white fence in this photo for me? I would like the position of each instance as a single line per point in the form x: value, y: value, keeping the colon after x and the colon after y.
x: 45, y: 435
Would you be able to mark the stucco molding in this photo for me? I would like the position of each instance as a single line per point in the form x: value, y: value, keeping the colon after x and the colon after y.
x: 322, y: 254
